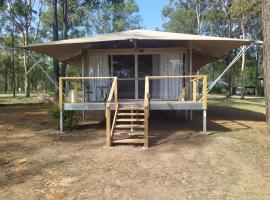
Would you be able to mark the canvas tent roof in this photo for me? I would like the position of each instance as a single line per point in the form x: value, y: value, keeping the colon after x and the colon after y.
x: 205, y: 48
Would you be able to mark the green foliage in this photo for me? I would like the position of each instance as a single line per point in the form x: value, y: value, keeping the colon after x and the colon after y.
x: 182, y: 20
x: 219, y: 90
x: 116, y: 16
x: 70, y: 122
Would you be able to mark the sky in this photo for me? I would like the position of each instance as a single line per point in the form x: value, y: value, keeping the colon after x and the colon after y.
x: 150, y: 11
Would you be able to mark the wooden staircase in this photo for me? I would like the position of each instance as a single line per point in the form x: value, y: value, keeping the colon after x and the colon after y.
x: 130, y: 121
x: 129, y: 125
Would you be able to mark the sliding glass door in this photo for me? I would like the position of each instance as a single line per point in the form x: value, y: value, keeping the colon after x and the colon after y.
x: 131, y: 71
x: 124, y: 69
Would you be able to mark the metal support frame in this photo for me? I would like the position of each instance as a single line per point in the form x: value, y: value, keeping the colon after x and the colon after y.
x: 61, y: 121
x: 37, y: 64
x: 83, y: 81
x: 204, y: 121
x: 242, y: 51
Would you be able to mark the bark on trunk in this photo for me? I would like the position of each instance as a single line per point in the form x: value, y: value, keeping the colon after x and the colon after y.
x: 243, y: 58
x: 13, y: 65
x: 228, y: 61
x: 266, y: 59
x: 55, y: 38
x: 257, y: 72
x: 25, y: 63
x: 65, y: 33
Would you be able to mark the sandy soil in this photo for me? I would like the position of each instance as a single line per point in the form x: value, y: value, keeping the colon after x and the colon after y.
x: 232, y: 162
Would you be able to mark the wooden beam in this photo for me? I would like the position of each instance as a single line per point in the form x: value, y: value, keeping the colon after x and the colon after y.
x: 112, y: 91
x: 194, y: 93
x: 108, y: 126
x: 146, y: 116
x: 87, y: 78
x: 60, y: 93
x: 204, y: 92
x: 164, y: 77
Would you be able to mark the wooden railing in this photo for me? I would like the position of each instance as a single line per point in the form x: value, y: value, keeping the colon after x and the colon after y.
x: 61, y: 79
x: 112, y: 95
x: 146, y: 111
x: 194, y: 79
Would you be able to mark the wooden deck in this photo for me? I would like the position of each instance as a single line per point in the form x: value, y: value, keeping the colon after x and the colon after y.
x: 130, y: 115
x: 154, y: 105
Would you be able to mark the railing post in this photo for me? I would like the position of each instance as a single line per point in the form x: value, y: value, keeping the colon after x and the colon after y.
x: 205, y: 92
x: 146, y: 115
x: 204, y: 102
x: 194, y: 90
x: 146, y: 112
x: 60, y: 93
x: 116, y: 92
x: 108, y: 125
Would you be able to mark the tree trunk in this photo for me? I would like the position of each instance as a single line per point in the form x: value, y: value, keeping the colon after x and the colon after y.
x: 243, y: 58
x: 228, y: 61
x: 257, y: 72
x: 242, y: 76
x: 25, y: 63
x: 6, y: 81
x: 13, y: 64
x: 65, y: 33
x: 55, y: 38
x: 266, y: 59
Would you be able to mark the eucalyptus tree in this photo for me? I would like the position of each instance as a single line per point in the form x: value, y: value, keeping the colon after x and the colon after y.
x: 25, y: 16
x: 266, y: 58
x: 244, y: 12
x: 116, y: 15
x: 185, y: 16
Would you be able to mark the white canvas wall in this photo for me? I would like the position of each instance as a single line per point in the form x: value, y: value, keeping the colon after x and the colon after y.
x: 171, y: 64
x: 168, y: 64
x: 98, y: 66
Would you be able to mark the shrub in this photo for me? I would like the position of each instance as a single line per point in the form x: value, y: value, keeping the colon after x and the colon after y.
x: 70, y: 122
x: 218, y: 90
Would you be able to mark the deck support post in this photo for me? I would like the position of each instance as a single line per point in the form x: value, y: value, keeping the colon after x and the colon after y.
x: 204, y: 121
x: 61, y: 121
x: 108, y: 125
x: 146, y: 116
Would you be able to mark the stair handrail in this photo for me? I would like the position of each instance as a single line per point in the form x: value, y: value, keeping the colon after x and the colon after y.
x: 146, y: 111
x: 146, y: 92
x: 113, y: 93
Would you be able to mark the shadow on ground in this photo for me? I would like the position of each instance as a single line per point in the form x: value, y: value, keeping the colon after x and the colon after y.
x: 163, y: 125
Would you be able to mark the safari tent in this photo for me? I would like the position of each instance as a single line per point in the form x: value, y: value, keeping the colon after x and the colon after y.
x: 129, y: 73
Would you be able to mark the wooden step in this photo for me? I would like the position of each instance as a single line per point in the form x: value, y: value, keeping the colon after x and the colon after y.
x: 128, y: 132
x: 129, y: 141
x: 130, y: 114
x: 131, y: 108
x: 130, y: 120
x: 129, y: 126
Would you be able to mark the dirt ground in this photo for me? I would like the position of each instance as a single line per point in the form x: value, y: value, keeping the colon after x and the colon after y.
x: 231, y: 162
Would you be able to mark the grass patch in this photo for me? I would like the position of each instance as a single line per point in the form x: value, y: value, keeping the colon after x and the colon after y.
x: 8, y: 99
x: 255, y: 104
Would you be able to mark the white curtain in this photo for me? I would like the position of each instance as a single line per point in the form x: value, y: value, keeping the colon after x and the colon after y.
x: 171, y: 64
x: 155, y: 94
x: 98, y: 66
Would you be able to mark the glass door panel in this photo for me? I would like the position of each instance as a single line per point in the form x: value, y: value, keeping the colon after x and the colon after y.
x: 124, y: 69
x: 148, y: 65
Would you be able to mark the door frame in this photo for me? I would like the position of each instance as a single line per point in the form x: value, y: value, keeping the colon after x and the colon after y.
x: 136, y: 68
x: 136, y: 53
